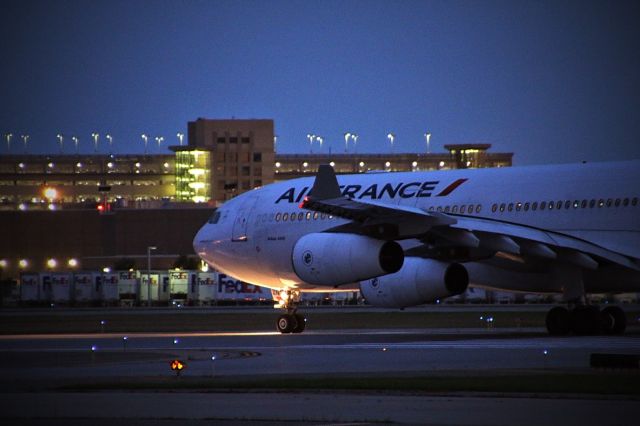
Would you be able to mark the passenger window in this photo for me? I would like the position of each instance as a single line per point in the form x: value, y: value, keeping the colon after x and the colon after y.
x: 323, y: 216
x: 592, y: 204
x: 463, y: 209
x: 609, y: 202
x: 576, y: 204
x: 502, y: 206
x: 510, y: 208
x: 600, y: 202
x: 430, y: 208
x: 550, y: 205
x: 293, y: 217
x: 300, y: 216
x: 278, y: 215
x: 558, y: 205
x: 567, y: 204
x: 470, y: 208
x: 634, y: 202
x: 625, y: 202
x: 454, y: 209
x: 518, y: 206
x: 583, y: 204
x: 617, y: 202
x: 478, y: 208
x: 446, y: 209
x: 308, y: 215
x: 439, y: 208
x: 494, y: 208
x: 526, y: 207
x: 315, y: 215
x: 534, y: 206
x: 543, y: 205
x: 285, y: 216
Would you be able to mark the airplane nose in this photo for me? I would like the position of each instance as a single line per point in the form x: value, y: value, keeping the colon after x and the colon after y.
x: 199, y: 241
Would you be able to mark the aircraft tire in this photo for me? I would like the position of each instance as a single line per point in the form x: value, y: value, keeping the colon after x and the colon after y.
x: 614, y: 319
x: 286, y: 323
x: 558, y: 321
x: 301, y: 322
x: 585, y: 320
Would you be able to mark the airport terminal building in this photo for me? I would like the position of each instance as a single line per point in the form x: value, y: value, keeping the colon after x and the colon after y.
x: 99, y: 209
x: 222, y: 159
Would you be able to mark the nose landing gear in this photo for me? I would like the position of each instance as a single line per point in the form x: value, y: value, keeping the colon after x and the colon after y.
x: 291, y: 322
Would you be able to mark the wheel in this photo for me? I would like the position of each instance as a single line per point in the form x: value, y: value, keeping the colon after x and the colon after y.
x: 614, y: 320
x: 558, y: 321
x: 585, y: 320
x: 286, y: 323
x: 301, y: 323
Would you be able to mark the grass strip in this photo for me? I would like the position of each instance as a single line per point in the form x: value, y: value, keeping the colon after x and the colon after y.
x: 596, y: 383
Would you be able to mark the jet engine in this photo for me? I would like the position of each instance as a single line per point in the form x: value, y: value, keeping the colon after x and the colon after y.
x: 419, y: 281
x: 333, y: 259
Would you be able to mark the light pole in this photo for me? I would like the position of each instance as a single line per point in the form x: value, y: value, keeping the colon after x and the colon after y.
x: 427, y: 137
x: 275, y: 142
x: 310, y: 137
x: 8, y: 136
x: 149, y: 273
x: 25, y: 139
x: 347, y: 136
x: 145, y: 138
x: 75, y: 141
x: 95, y: 137
x: 110, y: 139
x: 159, y: 140
x: 391, y: 138
x: 321, y: 140
x: 355, y: 142
x: 180, y: 136
x: 60, y: 139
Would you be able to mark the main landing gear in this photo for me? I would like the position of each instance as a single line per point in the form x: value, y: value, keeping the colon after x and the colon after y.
x: 291, y: 322
x: 585, y: 320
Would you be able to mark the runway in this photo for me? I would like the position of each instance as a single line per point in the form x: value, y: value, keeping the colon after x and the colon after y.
x: 327, y: 352
x: 33, y: 368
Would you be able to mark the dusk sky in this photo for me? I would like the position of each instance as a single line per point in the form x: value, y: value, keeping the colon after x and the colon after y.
x: 551, y: 81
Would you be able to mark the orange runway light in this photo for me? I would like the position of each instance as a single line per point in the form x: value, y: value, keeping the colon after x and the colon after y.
x: 178, y: 366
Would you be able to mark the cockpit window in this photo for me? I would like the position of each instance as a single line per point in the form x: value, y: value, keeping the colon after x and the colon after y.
x: 214, y: 217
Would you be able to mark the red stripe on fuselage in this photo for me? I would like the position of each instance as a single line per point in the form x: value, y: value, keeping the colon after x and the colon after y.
x: 449, y: 189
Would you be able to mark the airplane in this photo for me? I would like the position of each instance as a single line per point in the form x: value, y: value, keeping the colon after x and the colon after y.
x: 409, y: 238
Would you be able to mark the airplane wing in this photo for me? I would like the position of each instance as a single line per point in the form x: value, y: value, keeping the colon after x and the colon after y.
x: 436, y: 230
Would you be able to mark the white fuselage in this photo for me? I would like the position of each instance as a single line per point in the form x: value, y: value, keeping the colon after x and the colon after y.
x: 254, y: 235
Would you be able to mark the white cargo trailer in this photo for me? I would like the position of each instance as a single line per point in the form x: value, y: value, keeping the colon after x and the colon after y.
x: 158, y: 290
x: 83, y: 288
x: 207, y: 286
x: 127, y: 287
x: 109, y: 295
x: 29, y: 288
x: 178, y: 286
x: 46, y: 288
x: 61, y: 287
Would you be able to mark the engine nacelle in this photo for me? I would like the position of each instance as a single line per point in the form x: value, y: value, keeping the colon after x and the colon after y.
x: 419, y: 281
x: 332, y: 259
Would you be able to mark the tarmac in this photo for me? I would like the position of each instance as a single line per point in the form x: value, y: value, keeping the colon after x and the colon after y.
x: 37, y: 374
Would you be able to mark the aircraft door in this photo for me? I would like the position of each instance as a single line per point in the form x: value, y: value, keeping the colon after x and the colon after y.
x: 241, y: 222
